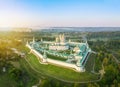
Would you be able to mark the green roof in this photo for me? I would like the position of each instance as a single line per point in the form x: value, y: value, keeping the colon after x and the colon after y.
x: 82, y: 48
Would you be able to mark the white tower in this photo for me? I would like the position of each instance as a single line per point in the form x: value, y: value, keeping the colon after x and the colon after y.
x: 41, y: 39
x: 87, y: 44
x: 69, y: 40
x: 27, y: 43
x: 44, y: 57
x: 57, y: 39
x: 33, y: 40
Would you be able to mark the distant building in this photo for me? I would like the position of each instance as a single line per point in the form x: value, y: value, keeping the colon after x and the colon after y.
x: 22, y: 30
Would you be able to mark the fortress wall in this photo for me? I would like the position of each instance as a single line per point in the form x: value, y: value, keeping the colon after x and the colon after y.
x: 29, y: 46
x: 64, y: 64
x: 56, y: 62
x: 85, y: 60
x: 35, y: 52
x: 60, y: 63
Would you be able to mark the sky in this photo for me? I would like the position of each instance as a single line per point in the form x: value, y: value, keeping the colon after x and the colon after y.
x: 59, y: 13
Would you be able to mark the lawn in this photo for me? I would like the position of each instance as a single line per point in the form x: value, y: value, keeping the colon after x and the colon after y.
x: 90, y: 63
x: 56, y: 57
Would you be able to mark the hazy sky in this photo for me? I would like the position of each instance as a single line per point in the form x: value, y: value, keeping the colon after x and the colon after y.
x: 47, y: 13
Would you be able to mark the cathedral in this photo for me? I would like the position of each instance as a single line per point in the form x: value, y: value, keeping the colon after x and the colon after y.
x: 60, y: 43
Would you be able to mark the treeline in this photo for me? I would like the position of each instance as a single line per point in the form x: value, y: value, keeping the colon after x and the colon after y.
x: 109, y: 35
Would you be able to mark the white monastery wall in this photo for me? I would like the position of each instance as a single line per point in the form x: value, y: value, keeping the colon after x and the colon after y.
x: 56, y: 62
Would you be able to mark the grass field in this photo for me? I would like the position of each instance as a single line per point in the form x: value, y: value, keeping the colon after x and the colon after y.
x: 55, y: 71
x: 56, y: 57
x: 90, y: 63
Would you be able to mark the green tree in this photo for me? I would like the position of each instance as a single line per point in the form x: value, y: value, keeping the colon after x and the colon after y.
x: 76, y: 85
x: 115, y: 83
x: 105, y: 61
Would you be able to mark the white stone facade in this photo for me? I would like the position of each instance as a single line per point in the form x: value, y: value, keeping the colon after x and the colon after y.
x: 57, y: 47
